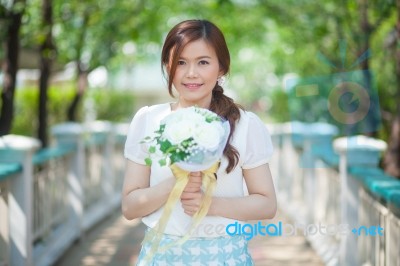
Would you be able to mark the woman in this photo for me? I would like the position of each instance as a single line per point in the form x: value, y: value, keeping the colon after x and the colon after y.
x: 195, y: 58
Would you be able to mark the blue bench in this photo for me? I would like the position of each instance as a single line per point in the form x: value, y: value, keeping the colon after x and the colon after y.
x: 45, y: 155
x: 326, y: 154
x: 379, y: 184
x: 8, y: 169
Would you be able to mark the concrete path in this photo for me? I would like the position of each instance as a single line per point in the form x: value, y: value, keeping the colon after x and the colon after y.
x: 116, y: 242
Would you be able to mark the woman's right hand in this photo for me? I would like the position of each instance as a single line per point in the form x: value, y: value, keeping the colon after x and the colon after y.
x: 192, y: 195
x: 194, y: 183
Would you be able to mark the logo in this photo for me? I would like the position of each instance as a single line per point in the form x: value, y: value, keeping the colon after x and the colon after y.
x: 286, y: 229
x: 346, y: 98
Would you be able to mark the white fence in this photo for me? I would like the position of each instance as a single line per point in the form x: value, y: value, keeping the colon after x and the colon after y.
x: 334, y: 189
x: 50, y: 197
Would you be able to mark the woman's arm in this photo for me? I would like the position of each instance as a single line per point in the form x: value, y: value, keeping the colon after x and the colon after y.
x: 138, y: 199
x: 258, y: 205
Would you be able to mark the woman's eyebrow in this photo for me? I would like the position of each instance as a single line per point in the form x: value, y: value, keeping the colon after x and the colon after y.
x: 197, y: 58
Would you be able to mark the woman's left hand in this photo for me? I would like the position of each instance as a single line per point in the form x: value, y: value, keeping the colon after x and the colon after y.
x: 192, y: 195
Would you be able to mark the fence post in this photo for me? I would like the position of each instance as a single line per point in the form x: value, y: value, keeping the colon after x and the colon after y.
x: 353, y: 151
x: 20, y: 149
x: 101, y: 132
x: 71, y: 135
x: 120, y: 131
x: 317, y: 135
x: 292, y: 145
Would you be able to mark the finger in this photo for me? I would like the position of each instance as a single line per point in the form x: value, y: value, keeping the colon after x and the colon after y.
x: 192, y: 189
x: 189, y: 213
x: 190, y: 203
x: 191, y: 195
x: 187, y: 195
x: 195, y: 181
x: 195, y: 174
x: 191, y: 209
x: 194, y: 184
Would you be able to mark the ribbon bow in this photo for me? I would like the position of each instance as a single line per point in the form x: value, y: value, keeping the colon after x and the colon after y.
x: 209, y: 180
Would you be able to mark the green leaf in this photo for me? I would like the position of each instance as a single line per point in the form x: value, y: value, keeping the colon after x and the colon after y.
x: 162, y: 162
x: 148, y: 161
x: 152, y: 149
x: 145, y: 140
x: 165, y: 145
x: 177, y: 157
x: 160, y: 129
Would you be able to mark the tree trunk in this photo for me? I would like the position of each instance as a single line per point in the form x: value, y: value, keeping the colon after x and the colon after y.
x: 370, y: 123
x: 82, y: 70
x: 10, y: 68
x: 81, y: 88
x: 46, y: 56
x: 391, y: 161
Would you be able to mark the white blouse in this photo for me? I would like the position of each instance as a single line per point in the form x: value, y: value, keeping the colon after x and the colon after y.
x: 252, y: 140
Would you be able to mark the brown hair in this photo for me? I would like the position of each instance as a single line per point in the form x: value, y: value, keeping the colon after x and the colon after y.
x: 176, y: 40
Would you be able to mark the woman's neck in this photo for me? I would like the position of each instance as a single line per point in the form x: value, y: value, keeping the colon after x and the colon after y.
x: 178, y: 105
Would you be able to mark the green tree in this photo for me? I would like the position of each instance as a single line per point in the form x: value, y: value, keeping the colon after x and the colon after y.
x: 10, y: 19
x: 47, y: 56
x: 391, y: 160
x: 91, y: 33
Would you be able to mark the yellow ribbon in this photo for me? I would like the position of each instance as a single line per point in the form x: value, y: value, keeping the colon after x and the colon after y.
x: 209, y: 180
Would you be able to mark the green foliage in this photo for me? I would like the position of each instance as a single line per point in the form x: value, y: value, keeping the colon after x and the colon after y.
x: 26, y: 108
x: 279, y: 109
x: 113, y: 105
x: 265, y: 37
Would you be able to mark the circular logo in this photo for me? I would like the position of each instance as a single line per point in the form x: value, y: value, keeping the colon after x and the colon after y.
x: 358, y: 94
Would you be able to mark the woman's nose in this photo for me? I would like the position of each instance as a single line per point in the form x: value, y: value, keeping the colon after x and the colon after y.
x: 191, y: 71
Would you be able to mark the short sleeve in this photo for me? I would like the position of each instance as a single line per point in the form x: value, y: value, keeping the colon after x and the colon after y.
x: 259, y: 147
x: 134, y: 150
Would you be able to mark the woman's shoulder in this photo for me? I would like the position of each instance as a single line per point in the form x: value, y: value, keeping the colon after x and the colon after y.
x: 246, y: 122
x: 249, y: 117
x: 250, y: 121
x: 155, y: 107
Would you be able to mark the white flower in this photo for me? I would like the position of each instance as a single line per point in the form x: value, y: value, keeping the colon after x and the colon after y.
x: 207, y: 139
x: 194, y: 117
x: 184, y: 114
x: 179, y: 131
x: 208, y: 135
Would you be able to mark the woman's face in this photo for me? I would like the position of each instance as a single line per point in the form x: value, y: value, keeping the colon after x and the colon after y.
x: 196, y: 74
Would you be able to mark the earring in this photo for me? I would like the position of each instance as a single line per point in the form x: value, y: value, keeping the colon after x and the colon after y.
x: 221, y: 81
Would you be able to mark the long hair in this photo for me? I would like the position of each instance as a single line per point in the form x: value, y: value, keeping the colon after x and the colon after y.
x: 176, y: 40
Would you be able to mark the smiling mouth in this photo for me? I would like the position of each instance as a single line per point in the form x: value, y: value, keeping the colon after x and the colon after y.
x: 192, y: 85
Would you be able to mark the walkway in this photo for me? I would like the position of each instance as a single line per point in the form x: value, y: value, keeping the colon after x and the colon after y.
x: 116, y: 242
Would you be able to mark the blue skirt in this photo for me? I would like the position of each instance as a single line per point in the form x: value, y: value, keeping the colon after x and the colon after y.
x: 199, y: 251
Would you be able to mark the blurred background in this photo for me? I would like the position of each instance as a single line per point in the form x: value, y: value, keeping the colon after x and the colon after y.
x: 83, y: 61
x: 79, y: 60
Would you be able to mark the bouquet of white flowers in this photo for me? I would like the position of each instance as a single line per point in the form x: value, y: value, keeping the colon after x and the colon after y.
x: 189, y: 139
x: 194, y: 138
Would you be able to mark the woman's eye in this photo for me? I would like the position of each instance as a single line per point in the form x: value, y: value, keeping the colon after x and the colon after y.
x: 203, y: 62
x: 181, y: 62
